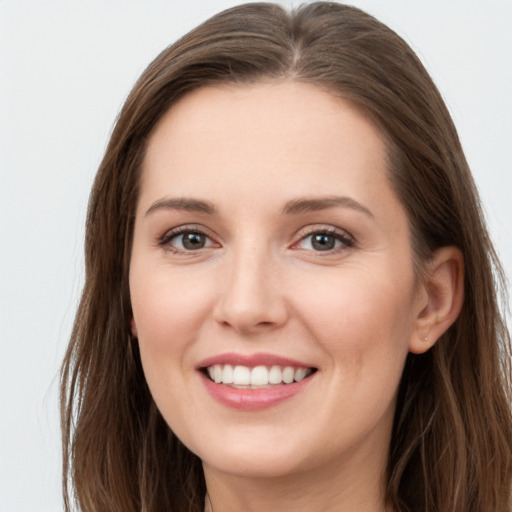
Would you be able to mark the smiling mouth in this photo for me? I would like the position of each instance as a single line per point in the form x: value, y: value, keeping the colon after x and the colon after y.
x: 257, y: 377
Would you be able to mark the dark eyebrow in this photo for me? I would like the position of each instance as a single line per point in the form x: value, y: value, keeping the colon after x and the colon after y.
x: 183, y: 203
x: 314, y: 204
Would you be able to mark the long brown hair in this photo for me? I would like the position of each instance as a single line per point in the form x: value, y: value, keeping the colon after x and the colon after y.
x: 452, y: 438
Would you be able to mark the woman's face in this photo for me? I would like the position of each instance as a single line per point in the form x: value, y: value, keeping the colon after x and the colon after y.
x: 272, y: 281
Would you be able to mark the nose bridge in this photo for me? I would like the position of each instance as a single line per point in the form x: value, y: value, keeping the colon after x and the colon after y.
x: 250, y: 295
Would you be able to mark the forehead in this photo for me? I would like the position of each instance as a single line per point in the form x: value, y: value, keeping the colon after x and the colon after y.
x: 276, y: 139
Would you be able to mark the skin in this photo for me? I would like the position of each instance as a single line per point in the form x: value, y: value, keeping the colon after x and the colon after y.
x: 260, y: 285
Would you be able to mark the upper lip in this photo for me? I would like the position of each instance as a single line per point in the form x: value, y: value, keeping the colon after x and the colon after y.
x: 251, y: 360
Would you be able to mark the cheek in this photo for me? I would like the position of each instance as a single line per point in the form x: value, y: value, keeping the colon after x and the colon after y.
x: 167, y: 309
x: 169, y: 313
x: 361, y: 317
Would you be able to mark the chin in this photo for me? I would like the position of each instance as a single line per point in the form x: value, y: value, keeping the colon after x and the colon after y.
x: 245, y: 465
x: 256, y: 455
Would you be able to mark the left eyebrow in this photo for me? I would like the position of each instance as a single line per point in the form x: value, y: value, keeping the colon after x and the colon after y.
x: 314, y: 204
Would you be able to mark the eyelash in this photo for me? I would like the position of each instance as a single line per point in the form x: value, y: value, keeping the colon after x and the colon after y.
x: 165, y: 240
x: 343, y: 237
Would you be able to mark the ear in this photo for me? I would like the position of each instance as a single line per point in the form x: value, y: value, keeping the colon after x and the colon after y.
x: 133, y: 327
x: 441, y: 296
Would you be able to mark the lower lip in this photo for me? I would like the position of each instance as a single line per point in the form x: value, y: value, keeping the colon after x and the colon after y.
x: 253, y: 399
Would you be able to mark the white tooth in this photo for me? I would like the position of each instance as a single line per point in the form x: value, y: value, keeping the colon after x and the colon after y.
x: 275, y: 375
x: 227, y: 374
x: 210, y: 372
x: 241, y: 375
x: 300, y: 373
x: 217, y: 373
x: 259, y: 376
x: 288, y: 372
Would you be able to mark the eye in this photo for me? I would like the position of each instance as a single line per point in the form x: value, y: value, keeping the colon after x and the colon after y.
x: 191, y: 241
x: 186, y: 240
x: 324, y: 241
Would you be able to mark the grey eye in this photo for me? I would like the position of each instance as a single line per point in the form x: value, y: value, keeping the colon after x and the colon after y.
x: 186, y: 240
x: 323, y: 242
x: 192, y: 240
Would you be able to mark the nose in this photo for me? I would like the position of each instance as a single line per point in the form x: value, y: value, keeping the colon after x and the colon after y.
x: 252, y: 298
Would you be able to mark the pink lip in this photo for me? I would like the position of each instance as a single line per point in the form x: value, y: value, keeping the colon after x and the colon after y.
x: 252, y: 360
x: 252, y: 399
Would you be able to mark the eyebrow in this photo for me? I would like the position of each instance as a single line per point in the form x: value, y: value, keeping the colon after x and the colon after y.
x: 183, y: 204
x: 314, y: 204
x: 294, y: 207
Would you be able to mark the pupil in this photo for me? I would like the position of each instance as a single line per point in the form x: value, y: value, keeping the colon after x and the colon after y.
x: 323, y: 242
x: 193, y: 241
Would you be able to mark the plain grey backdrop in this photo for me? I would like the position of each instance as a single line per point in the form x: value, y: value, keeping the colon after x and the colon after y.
x: 65, y: 69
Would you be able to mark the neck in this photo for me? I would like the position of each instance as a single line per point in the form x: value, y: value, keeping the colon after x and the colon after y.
x: 326, y: 490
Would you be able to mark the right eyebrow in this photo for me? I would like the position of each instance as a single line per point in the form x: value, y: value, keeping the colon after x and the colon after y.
x: 182, y: 203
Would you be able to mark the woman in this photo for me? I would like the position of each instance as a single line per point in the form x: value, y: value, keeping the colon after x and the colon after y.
x: 291, y: 297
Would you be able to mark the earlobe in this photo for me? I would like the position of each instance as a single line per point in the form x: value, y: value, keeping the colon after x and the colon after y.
x: 443, y: 287
x: 133, y: 327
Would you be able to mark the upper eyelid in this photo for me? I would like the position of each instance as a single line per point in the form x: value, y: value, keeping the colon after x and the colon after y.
x: 323, y: 228
x: 184, y: 228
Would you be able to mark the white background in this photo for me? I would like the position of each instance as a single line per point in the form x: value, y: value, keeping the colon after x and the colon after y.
x: 65, y: 68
